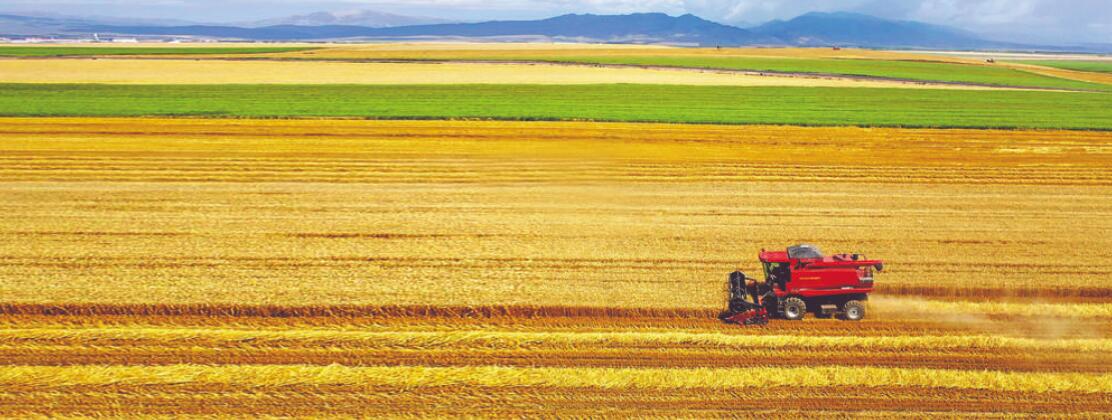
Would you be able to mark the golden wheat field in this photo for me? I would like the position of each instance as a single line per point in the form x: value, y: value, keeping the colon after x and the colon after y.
x: 455, y: 268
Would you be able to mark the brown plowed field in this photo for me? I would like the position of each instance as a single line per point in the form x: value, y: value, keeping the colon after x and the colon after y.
x: 176, y: 266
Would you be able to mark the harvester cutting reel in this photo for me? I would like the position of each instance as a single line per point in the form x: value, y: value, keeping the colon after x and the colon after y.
x: 752, y: 317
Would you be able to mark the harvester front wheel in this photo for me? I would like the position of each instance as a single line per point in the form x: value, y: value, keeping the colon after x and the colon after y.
x: 794, y: 309
x: 854, y: 310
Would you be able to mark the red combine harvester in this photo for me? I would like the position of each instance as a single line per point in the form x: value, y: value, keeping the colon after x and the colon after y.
x: 802, y: 280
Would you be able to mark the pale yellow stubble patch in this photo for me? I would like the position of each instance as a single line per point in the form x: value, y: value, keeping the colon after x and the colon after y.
x: 162, y: 71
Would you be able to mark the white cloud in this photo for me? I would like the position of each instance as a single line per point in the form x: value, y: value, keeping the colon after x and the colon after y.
x: 1015, y: 20
x: 977, y: 11
x: 759, y: 11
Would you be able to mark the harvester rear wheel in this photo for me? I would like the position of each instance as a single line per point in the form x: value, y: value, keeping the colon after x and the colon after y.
x: 794, y: 309
x: 853, y: 310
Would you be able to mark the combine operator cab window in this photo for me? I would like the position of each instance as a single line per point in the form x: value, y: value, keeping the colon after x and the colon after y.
x: 777, y: 274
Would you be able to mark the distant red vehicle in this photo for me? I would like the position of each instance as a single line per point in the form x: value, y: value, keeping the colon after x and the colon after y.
x: 801, y: 280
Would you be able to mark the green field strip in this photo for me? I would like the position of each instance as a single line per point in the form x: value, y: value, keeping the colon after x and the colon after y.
x: 610, y: 102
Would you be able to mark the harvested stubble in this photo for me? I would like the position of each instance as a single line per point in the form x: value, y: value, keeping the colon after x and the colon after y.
x: 60, y: 378
x: 611, y: 321
x: 173, y: 212
x: 368, y: 268
x: 208, y: 72
x: 513, y: 345
x: 492, y: 339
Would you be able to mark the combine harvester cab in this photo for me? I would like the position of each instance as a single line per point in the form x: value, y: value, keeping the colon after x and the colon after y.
x: 801, y: 280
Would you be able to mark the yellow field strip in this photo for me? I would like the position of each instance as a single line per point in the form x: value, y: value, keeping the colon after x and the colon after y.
x: 267, y: 376
x: 487, y: 339
x: 1084, y: 76
x: 210, y: 71
x: 322, y: 142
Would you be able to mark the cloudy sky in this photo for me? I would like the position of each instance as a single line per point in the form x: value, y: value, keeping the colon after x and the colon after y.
x: 1057, y: 21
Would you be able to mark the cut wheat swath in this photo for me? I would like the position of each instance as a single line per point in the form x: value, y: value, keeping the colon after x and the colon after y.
x: 487, y: 339
x: 55, y: 378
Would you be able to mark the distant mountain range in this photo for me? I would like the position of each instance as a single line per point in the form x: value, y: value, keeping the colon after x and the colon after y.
x: 812, y: 29
x: 50, y: 24
x: 635, y: 28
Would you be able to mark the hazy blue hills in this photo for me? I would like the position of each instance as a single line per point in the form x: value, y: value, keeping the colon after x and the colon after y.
x: 633, y: 28
x: 638, y: 27
x: 811, y: 29
x: 61, y: 25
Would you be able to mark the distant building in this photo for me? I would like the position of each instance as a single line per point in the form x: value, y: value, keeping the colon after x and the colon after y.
x: 125, y: 40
